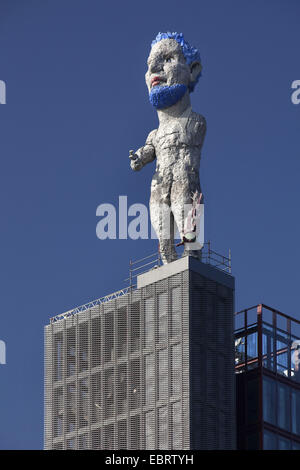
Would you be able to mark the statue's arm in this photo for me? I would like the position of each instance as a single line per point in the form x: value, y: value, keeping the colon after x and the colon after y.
x: 143, y: 155
x: 200, y: 129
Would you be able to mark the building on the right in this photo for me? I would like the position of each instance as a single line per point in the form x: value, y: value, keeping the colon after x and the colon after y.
x: 267, y: 365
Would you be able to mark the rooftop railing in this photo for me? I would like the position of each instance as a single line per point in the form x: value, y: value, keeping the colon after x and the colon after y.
x: 153, y: 261
x: 142, y: 265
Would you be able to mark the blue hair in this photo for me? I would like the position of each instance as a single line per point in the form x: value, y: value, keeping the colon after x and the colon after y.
x: 190, y: 53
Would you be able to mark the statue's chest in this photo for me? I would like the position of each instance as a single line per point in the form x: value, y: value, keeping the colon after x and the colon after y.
x: 172, y: 135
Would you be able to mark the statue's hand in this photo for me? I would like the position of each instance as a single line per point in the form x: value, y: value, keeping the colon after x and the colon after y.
x: 135, y: 161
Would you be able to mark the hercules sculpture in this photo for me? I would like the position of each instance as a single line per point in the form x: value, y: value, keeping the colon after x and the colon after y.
x: 173, y: 71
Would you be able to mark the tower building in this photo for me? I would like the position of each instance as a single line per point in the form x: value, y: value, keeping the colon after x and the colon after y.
x: 145, y: 368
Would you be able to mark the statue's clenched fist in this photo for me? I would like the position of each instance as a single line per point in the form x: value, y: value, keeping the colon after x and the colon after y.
x: 135, y: 161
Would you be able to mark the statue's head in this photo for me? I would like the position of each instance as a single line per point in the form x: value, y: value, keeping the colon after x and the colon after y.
x: 174, y: 68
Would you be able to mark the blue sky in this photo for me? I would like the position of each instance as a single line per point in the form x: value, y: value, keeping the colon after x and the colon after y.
x: 77, y: 102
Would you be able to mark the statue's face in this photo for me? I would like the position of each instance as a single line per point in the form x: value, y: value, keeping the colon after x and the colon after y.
x: 167, y: 65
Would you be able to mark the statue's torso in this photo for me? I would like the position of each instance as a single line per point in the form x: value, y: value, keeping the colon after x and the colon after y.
x: 178, y: 145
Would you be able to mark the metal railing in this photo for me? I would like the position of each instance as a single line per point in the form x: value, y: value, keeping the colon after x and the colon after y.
x: 153, y: 261
x: 149, y: 262
x: 88, y: 305
x: 141, y: 266
x: 215, y: 259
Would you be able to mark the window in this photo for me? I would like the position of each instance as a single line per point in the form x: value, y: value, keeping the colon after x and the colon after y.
x: 58, y: 356
x: 162, y: 374
x: 295, y: 359
x: 122, y: 332
x: 162, y: 420
x: 71, y: 443
x: 83, y: 441
x: 122, y: 388
x: 176, y: 311
x: 283, y: 443
x: 283, y: 406
x: 295, y: 445
x: 83, y: 347
x: 71, y: 351
x: 252, y: 345
x: 149, y: 379
x: 268, y: 346
x: 135, y: 432
x: 83, y: 402
x: 96, y: 439
x: 108, y: 393
x: 149, y: 430
x: 109, y: 437
x: 122, y: 434
x: 176, y: 419
x: 282, y: 354
x: 149, y: 323
x: 58, y: 411
x: 109, y: 336
x: 270, y: 441
x: 162, y: 302
x: 252, y: 401
x: 96, y: 398
x: 71, y: 407
x: 176, y: 369
x: 296, y: 411
x: 135, y: 384
x: 135, y: 326
x: 58, y: 446
x: 96, y: 341
x: 269, y: 400
x: 239, y: 349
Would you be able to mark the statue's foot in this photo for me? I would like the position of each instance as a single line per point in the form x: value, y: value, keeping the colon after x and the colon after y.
x: 166, y: 259
x: 194, y: 253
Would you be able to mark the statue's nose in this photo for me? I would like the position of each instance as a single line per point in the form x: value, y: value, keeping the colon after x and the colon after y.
x: 155, y: 66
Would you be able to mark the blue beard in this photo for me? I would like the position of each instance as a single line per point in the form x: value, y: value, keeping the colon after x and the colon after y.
x: 164, y: 96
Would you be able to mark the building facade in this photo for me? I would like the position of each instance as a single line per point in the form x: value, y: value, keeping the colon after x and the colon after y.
x: 267, y: 379
x: 146, y: 368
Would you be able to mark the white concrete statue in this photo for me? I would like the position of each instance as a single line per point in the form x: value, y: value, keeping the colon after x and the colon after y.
x: 173, y: 70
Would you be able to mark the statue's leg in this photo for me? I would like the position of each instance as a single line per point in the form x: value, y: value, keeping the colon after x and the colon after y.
x: 181, y: 202
x: 162, y: 219
x: 166, y: 239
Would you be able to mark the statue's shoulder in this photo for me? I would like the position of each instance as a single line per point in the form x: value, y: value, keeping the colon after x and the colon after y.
x: 151, y: 137
x: 198, y: 118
